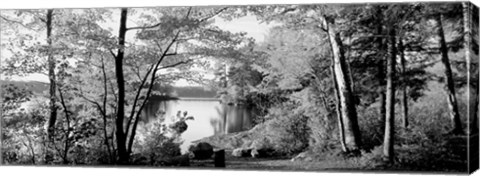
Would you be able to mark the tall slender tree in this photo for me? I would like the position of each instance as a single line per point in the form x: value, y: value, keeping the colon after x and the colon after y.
x: 120, y: 134
x: 388, y: 141
x: 52, y: 91
x: 450, y: 84
x: 404, y: 96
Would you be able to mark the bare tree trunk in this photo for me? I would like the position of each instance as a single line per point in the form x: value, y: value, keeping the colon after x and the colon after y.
x: 338, y: 108
x: 404, y: 99
x: 452, y: 99
x: 388, y: 141
x: 52, y: 92
x: 67, y: 132
x: 380, y: 68
x: 104, y: 112
x: 120, y: 133
x: 347, y: 104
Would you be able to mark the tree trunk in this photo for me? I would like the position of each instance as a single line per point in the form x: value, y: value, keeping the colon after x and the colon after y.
x: 404, y: 99
x: 452, y: 100
x: 390, y: 101
x: 472, y: 80
x: 121, y: 136
x: 52, y: 92
x: 338, y: 108
x: 347, y: 104
x: 380, y: 68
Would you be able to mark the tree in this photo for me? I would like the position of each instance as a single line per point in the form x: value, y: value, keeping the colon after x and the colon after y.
x: 450, y: 85
x: 39, y: 21
x: 404, y: 98
x: 323, y: 19
x: 388, y: 142
x: 121, y: 137
x: 347, y: 104
x: 51, y: 74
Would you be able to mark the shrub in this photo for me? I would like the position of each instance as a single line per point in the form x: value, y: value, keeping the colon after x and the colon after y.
x: 287, y: 131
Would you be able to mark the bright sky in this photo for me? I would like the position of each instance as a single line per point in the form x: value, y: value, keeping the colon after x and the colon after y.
x: 248, y: 24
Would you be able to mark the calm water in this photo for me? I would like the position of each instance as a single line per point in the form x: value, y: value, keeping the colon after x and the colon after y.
x: 209, y: 117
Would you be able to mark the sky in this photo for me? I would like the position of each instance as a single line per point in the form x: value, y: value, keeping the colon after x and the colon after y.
x: 248, y: 24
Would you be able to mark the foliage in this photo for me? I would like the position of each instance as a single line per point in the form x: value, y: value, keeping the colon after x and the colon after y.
x: 160, y: 142
x: 22, y: 126
x: 287, y: 131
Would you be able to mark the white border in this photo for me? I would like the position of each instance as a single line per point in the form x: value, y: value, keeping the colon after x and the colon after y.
x: 40, y: 4
x: 88, y: 171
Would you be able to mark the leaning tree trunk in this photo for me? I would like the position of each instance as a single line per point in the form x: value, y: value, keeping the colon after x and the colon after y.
x: 404, y: 98
x: 452, y: 100
x: 347, y: 104
x: 338, y: 108
x: 121, y: 136
x: 388, y: 141
x: 52, y: 92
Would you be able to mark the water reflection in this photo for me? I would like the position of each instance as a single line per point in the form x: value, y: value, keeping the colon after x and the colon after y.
x: 211, y: 117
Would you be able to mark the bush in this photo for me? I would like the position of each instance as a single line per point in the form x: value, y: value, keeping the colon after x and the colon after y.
x: 287, y: 131
x: 154, y: 146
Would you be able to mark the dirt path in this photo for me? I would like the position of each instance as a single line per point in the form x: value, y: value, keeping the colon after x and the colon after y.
x: 272, y: 163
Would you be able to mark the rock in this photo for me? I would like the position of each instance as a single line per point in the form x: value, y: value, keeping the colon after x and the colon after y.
x: 242, y: 152
x: 260, y: 148
x: 304, y: 156
x: 262, y: 152
x: 201, y: 150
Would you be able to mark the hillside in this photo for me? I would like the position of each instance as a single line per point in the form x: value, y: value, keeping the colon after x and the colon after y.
x: 190, y: 91
x: 34, y: 86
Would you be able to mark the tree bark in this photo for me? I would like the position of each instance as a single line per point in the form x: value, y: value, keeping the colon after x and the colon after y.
x: 52, y: 91
x: 388, y: 141
x: 67, y: 132
x: 452, y: 99
x: 404, y: 98
x: 104, y: 112
x: 347, y: 104
x: 338, y: 108
x: 120, y: 133
x: 380, y: 67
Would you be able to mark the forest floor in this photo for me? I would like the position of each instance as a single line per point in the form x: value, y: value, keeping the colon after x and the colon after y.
x: 456, y: 162
x: 270, y: 163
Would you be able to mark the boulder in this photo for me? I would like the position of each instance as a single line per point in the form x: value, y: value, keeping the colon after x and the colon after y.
x: 242, y: 152
x: 262, y: 152
x: 260, y: 148
x: 201, y: 150
x: 304, y: 156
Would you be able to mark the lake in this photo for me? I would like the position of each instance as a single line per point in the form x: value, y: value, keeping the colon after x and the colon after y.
x: 210, y: 117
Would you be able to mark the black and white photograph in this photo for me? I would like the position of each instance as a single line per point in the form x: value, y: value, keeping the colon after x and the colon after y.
x: 322, y: 87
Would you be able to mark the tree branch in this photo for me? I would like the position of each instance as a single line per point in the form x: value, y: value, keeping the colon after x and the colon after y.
x: 214, y: 14
x: 144, y: 27
x: 113, y: 54
x: 176, y: 64
x: 17, y: 22
x: 132, y: 135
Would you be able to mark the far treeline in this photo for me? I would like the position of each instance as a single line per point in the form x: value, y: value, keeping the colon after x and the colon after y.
x: 382, y: 85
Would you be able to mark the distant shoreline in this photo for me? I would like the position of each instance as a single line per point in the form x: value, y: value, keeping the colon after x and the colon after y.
x: 198, y: 99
